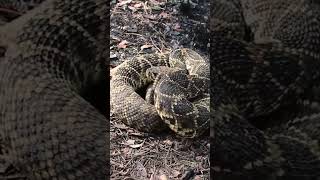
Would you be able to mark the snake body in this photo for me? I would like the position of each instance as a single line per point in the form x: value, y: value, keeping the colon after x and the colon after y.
x: 265, y: 62
x: 181, y: 95
x: 180, y: 98
x: 49, y: 126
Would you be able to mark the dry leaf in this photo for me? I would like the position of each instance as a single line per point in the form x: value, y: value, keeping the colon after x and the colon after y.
x: 136, y: 145
x: 168, y: 142
x: 124, y: 2
x: 132, y: 8
x: 138, y: 5
x: 119, y: 126
x: 163, y: 177
x: 112, y: 56
x: 176, y: 173
x: 157, y: 2
x: 130, y: 141
x: 146, y: 46
x: 139, y: 134
x: 126, y: 150
x: 152, y: 17
x: 123, y: 44
x: 115, y: 153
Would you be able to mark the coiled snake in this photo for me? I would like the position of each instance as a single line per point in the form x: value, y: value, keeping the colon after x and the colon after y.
x: 179, y: 99
x: 49, y: 126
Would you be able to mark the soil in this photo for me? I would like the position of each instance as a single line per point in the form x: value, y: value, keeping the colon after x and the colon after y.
x: 139, y: 27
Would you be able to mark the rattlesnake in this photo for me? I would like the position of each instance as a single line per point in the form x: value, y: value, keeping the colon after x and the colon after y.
x: 50, y: 126
x: 265, y: 67
x: 180, y: 98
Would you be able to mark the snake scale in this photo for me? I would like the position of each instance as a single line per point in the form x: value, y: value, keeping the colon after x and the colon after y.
x: 265, y: 67
x: 50, y: 126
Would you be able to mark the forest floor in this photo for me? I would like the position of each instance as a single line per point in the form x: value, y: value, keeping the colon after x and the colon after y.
x: 140, y: 27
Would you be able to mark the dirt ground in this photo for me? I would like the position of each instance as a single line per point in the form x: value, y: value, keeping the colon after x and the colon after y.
x: 139, y: 27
